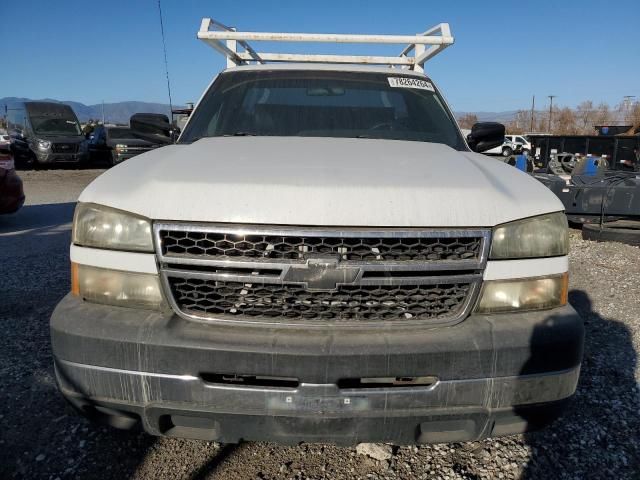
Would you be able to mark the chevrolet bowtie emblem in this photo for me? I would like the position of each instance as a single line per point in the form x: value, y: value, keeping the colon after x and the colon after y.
x: 322, y: 273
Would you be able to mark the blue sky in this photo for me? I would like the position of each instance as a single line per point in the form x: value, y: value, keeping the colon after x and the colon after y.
x: 505, y: 51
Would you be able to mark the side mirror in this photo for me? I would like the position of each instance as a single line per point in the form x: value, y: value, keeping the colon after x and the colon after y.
x: 485, y: 136
x: 152, y: 127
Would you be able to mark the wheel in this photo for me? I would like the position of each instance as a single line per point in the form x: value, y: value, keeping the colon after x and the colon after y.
x: 507, y: 151
x: 623, y: 231
x: 25, y: 161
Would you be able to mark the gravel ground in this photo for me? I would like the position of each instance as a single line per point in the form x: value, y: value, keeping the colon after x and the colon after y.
x: 599, y: 437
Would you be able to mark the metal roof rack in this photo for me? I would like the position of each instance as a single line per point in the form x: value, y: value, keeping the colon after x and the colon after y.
x: 226, y: 40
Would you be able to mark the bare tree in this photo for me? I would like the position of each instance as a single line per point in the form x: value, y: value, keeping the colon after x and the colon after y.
x: 585, y: 114
x: 632, y: 117
x: 603, y: 115
x: 565, y: 122
x: 467, y: 120
x: 520, y: 124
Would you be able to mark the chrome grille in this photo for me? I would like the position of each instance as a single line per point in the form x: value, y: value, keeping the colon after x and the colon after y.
x: 293, y: 247
x: 318, y: 275
x: 65, y: 147
x: 348, y: 302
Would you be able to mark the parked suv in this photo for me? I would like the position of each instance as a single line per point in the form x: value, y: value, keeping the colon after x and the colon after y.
x: 320, y: 257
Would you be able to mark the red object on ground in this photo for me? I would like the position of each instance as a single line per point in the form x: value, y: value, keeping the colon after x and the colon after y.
x: 11, y: 191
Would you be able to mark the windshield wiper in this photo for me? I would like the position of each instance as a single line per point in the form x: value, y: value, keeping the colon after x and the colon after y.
x: 235, y: 134
x: 240, y: 134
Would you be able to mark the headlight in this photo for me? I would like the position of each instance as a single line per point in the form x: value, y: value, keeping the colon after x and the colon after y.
x: 522, y: 295
x: 103, y: 227
x: 543, y: 236
x: 112, y: 287
x: 44, y: 144
x: 121, y: 147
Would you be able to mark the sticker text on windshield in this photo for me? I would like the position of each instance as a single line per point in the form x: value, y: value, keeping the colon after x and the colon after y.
x: 405, y: 82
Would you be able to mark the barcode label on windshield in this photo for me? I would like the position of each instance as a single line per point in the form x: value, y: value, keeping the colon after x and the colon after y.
x: 405, y: 82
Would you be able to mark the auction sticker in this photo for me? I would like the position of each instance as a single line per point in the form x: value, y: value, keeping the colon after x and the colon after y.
x: 407, y: 82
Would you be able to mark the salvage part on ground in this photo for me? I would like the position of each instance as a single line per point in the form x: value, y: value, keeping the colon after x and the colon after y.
x: 612, y: 195
x: 623, y: 231
x: 561, y: 163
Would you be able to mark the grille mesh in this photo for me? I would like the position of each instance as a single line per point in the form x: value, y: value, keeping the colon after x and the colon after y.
x: 351, y: 302
x: 215, y: 244
x: 64, y: 147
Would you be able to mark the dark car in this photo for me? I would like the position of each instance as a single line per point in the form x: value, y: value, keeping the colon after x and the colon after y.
x: 44, y: 133
x: 11, y: 192
x: 116, y: 144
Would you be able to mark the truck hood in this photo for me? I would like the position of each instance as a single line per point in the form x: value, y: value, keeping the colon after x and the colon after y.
x: 60, y: 138
x: 321, y: 181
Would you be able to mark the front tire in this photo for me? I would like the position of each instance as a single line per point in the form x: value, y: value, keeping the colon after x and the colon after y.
x: 507, y: 151
x: 26, y: 162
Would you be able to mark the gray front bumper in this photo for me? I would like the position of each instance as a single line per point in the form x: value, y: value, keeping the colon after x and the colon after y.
x: 496, y: 375
x: 49, y: 157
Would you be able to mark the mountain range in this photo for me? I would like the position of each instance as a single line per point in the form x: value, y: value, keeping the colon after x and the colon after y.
x: 120, y: 112
x: 113, y: 112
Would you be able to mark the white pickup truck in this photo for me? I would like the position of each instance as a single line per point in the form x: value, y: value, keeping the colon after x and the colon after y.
x: 321, y: 257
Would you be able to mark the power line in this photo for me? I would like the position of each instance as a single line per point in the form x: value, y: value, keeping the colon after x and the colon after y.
x: 166, y: 64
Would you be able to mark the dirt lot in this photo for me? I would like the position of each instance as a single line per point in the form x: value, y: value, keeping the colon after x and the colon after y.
x: 599, y: 437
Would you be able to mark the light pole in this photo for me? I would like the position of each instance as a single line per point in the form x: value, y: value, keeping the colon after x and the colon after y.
x: 551, y: 97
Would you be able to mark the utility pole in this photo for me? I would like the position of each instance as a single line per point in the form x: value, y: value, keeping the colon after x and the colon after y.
x: 533, y: 108
x: 103, y: 112
x: 551, y: 97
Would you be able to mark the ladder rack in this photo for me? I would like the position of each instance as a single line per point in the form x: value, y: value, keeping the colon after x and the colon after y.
x: 227, y: 41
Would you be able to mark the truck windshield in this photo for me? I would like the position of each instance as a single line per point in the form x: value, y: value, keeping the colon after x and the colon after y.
x: 306, y: 103
x: 54, y: 125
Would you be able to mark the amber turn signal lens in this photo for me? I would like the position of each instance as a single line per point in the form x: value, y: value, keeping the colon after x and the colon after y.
x: 75, y: 286
x: 564, y: 298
